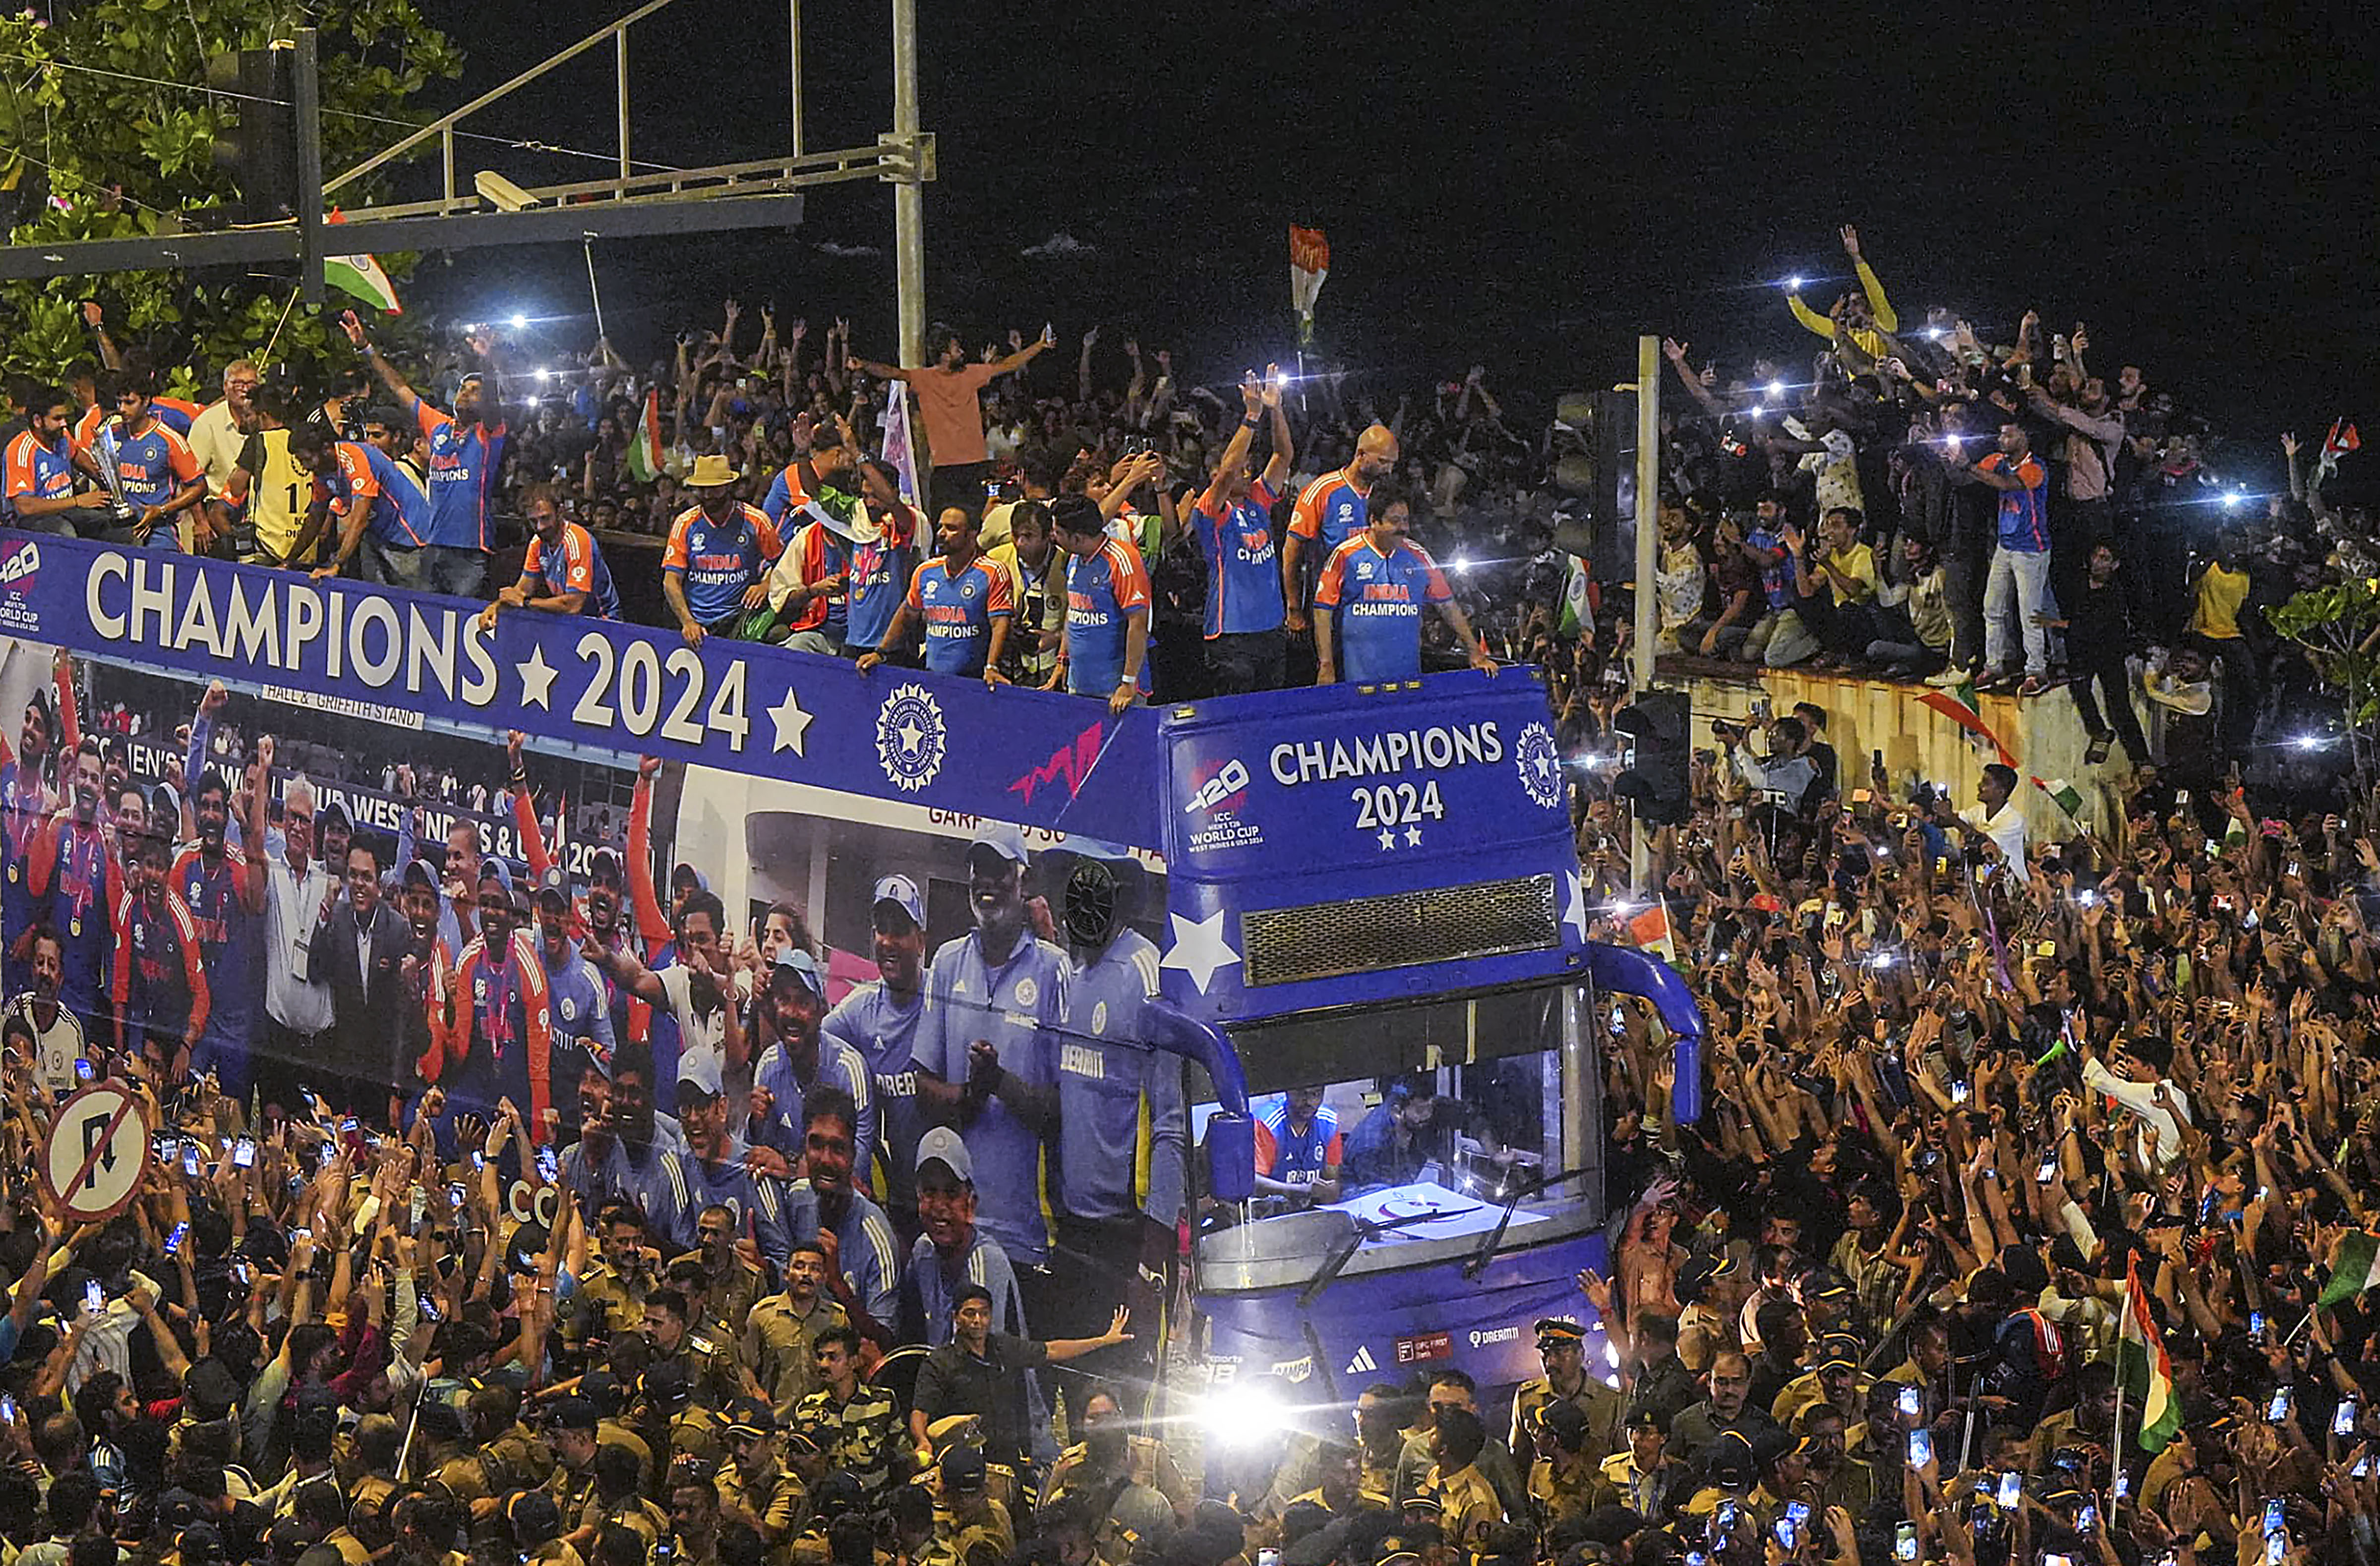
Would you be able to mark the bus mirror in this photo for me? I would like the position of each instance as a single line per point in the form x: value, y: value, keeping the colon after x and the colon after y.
x: 1231, y: 1157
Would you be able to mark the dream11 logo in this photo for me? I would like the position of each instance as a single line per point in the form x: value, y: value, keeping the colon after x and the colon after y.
x: 1069, y: 764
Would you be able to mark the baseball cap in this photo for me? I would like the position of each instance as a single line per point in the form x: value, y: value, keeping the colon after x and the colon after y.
x: 685, y: 874
x: 418, y: 873
x: 1838, y: 1352
x: 555, y: 884
x: 1648, y: 1417
x: 802, y: 966
x: 604, y: 865
x: 573, y: 1414
x: 962, y: 1471
x: 750, y: 1417
x: 1001, y: 839
x: 494, y: 870
x: 901, y: 893
x: 332, y: 812
x: 1698, y: 1273
x: 1562, y: 1418
x: 941, y: 1144
x: 699, y: 1069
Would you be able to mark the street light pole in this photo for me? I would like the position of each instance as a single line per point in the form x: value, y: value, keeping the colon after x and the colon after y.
x: 909, y: 190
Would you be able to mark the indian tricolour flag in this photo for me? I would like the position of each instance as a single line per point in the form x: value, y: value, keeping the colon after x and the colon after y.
x: 1578, y: 602
x: 645, y: 448
x: 2143, y: 1373
x: 2354, y: 1267
x: 361, y: 276
x: 2064, y: 795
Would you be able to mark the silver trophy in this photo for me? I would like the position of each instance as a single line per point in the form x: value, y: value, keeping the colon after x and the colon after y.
x: 126, y: 514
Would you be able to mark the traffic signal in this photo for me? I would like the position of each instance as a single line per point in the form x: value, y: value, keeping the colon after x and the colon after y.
x: 261, y: 152
x: 1655, y: 782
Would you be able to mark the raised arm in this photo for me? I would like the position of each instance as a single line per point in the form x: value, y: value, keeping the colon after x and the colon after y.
x: 652, y: 923
x: 1276, y: 471
x: 390, y: 377
x: 869, y: 367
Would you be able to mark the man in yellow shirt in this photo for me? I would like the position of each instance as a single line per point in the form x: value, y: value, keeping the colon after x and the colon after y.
x: 1468, y: 1507
x: 1836, y: 584
x: 1862, y: 317
x: 2217, y: 630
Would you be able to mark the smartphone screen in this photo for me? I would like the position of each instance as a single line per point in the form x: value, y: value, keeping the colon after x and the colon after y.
x: 2048, y: 1169
x: 2011, y: 1492
x: 243, y: 1153
x: 1921, y: 1447
x: 2279, y: 1409
x: 83, y: 1069
x: 1904, y: 1542
x: 2343, y: 1422
x: 1909, y: 1402
x: 2274, y: 1521
x: 93, y: 1297
x: 173, y: 1241
x: 190, y: 1160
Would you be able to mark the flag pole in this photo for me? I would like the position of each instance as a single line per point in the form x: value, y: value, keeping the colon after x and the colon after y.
x: 593, y: 292
x: 2115, y: 1433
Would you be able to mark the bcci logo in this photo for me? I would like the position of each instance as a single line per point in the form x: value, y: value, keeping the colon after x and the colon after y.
x: 910, y: 738
x: 1540, y: 765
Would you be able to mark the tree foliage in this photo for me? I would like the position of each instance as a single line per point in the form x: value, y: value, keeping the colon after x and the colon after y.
x: 2339, y: 627
x: 85, y: 155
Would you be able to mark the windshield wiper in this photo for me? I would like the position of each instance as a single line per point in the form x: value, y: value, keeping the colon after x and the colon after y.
x: 1495, y: 1237
x: 1335, y: 1261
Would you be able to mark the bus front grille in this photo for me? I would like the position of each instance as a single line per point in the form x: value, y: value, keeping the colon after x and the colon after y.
x: 1400, y: 930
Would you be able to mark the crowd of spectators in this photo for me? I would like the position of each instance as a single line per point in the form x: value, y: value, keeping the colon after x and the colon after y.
x: 1980, y: 1098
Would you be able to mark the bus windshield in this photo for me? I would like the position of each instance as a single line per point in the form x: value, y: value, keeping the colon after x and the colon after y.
x: 1410, y: 1131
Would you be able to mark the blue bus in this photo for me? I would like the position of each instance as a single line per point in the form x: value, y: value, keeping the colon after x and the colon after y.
x: 1365, y: 903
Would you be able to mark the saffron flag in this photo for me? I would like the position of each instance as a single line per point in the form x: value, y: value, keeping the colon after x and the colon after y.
x: 2143, y: 1371
x: 1650, y: 930
x: 645, y: 451
x: 1957, y: 704
x: 2354, y: 1267
x: 2341, y: 440
x: 1309, y: 264
x: 361, y: 276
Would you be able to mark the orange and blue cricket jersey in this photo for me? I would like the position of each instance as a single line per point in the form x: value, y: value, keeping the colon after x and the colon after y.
x: 1243, y: 573
x: 1102, y: 590
x: 1378, y: 601
x: 1331, y: 510
x: 35, y: 471
x: 463, y: 463
x: 2025, y: 514
x: 957, y: 607
x: 717, y: 562
x: 363, y: 475
x: 577, y: 566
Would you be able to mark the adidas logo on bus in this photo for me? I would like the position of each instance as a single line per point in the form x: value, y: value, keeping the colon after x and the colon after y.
x: 1363, y: 1363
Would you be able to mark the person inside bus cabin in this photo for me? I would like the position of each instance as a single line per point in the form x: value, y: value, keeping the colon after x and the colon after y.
x: 1399, y: 1137
x: 1300, y: 1149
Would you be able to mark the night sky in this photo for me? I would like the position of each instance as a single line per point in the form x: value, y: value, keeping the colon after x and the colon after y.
x: 1523, y: 186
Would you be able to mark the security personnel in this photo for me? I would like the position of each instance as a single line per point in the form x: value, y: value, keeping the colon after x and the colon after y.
x: 570, y: 1426
x: 1341, y: 1491
x: 451, y: 1461
x: 1561, y: 1349
x: 837, y: 1495
x: 849, y: 1424
x: 609, y: 1396
x: 730, y: 1286
x: 611, y: 1299
x: 1110, y: 1455
x: 1835, y: 1380
x: 1468, y: 1505
x: 754, y: 1485
x: 780, y: 1330
x: 1566, y: 1481
x: 1644, y: 1477
x: 967, y: 1519
x: 966, y: 1430
x: 710, y: 1366
x: 691, y: 1429
x: 511, y: 1456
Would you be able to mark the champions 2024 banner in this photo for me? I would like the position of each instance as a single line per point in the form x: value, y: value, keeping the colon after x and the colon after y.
x: 391, y: 656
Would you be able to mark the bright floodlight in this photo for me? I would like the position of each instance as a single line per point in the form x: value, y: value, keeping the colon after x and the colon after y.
x: 1461, y: 563
x: 1620, y: 908
x: 1794, y: 283
x: 1777, y: 390
x: 2311, y: 742
x: 1240, y: 1412
x: 1880, y: 959
x: 520, y: 323
x: 543, y: 375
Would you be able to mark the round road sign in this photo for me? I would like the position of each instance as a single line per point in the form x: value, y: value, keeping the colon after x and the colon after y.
x: 97, y: 1151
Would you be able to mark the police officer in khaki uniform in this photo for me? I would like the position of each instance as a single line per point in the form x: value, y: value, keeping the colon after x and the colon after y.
x: 512, y: 1457
x: 1111, y: 1453
x: 779, y: 1332
x: 689, y: 1430
x: 713, y: 1375
x: 1468, y: 1505
x: 1561, y: 1349
x: 754, y: 1485
x: 730, y: 1286
x: 967, y: 1523
x: 570, y: 1426
x: 611, y: 1299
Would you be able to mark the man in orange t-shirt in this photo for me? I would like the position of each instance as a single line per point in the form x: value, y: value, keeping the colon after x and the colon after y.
x: 950, y: 413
